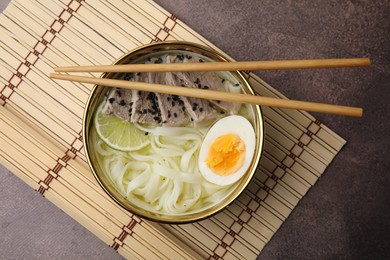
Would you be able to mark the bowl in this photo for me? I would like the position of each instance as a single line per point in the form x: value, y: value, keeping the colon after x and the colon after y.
x: 132, y: 202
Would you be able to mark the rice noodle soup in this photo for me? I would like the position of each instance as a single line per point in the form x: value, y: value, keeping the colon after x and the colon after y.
x: 148, y: 144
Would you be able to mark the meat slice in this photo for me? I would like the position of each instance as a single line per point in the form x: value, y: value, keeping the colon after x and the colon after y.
x: 171, y: 106
x: 198, y: 109
x: 118, y: 103
x: 145, y: 109
x: 209, y: 80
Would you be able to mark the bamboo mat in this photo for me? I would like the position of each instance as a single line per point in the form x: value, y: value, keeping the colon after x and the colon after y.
x: 41, y: 122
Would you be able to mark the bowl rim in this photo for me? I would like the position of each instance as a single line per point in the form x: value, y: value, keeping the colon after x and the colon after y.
x: 260, y: 132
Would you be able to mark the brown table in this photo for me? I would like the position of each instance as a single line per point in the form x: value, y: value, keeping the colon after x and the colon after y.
x: 346, y: 214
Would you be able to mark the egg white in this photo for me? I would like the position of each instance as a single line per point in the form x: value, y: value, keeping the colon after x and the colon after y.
x: 228, y: 125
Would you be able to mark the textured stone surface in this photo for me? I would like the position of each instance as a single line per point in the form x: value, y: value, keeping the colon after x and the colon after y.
x: 346, y: 214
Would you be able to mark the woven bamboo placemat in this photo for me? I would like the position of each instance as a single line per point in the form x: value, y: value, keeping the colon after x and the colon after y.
x: 41, y: 142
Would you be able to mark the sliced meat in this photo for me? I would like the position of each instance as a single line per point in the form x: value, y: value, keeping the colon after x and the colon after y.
x: 208, y: 80
x: 170, y: 110
x: 118, y: 103
x: 145, y: 108
x: 198, y: 109
x: 171, y: 106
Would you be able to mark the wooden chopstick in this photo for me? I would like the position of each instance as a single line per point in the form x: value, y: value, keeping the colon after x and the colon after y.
x: 216, y: 95
x: 221, y: 66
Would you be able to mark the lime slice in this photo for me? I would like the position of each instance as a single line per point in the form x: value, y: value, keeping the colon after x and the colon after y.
x: 119, y: 134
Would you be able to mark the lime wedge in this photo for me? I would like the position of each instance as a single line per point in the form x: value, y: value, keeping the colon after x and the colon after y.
x: 119, y: 134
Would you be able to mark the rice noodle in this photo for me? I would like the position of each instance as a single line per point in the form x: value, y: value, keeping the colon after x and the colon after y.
x: 164, y: 176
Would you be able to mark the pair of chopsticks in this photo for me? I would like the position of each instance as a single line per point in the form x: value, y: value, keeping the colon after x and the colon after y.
x: 218, y: 66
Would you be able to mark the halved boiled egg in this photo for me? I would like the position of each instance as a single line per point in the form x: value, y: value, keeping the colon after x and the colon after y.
x: 227, y: 150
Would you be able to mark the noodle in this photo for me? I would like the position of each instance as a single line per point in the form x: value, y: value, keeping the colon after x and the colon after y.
x: 164, y: 176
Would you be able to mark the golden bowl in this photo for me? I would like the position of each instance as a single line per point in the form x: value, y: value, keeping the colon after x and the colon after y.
x: 97, y: 95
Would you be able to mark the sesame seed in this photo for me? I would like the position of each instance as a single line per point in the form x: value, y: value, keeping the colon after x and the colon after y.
x: 122, y: 102
x: 223, y: 80
x: 200, y: 60
x: 111, y: 100
x: 128, y: 76
x: 174, y: 114
x: 222, y: 112
x: 146, y: 133
x: 206, y: 87
x: 201, y: 109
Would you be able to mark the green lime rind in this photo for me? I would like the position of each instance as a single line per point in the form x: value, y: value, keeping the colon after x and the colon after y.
x: 119, y: 134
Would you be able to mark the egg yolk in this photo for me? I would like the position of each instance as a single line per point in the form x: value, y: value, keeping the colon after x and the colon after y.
x: 226, y: 155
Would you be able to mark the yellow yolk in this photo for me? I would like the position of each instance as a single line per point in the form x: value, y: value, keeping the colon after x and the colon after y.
x: 226, y: 155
